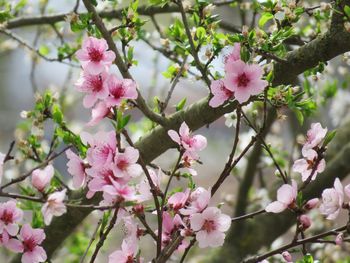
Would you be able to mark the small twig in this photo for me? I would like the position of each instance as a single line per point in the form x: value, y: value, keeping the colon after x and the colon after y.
x: 91, y: 241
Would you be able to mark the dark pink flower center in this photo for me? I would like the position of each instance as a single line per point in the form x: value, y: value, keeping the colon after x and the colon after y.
x: 108, y: 176
x: 209, y: 226
x: 95, y: 83
x: 242, y: 80
x: 130, y: 259
x: 228, y: 93
x: 117, y: 92
x: 29, y: 244
x: 122, y: 164
x: 7, y: 217
x: 95, y: 54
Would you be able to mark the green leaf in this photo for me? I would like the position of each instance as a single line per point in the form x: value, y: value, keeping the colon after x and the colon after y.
x: 181, y: 104
x: 299, y: 115
x: 347, y: 10
x: 44, y: 50
x: 329, y: 137
x: 200, y: 33
x: 265, y: 18
x: 57, y: 114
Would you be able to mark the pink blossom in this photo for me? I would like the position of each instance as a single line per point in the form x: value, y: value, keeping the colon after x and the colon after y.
x: 169, y: 226
x: 286, y: 197
x: 210, y: 226
x: 76, y: 168
x: 98, y: 113
x: 305, y: 221
x: 144, y: 188
x: 315, y: 135
x: 244, y: 80
x: 120, y: 90
x: 220, y: 93
x: 125, y: 163
x: 10, y: 243
x: 191, y: 144
x: 311, y: 204
x: 94, y: 56
x: 198, y: 201
x: 54, y: 206
x: 339, y: 239
x: 287, y: 256
x: 306, y: 165
x: 118, y: 192
x: 332, y: 200
x: 127, y: 254
x: 31, y: 240
x: 94, y: 86
x: 42, y: 177
x: 102, y: 147
x: 178, y: 200
x: 10, y: 216
x: 2, y: 159
x: 233, y: 56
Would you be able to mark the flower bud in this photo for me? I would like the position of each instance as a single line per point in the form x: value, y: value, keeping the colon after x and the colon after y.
x: 305, y: 222
x: 311, y: 204
x: 339, y: 239
x: 287, y: 256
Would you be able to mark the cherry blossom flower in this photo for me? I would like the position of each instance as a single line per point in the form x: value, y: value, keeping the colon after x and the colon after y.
x: 244, y: 80
x: 54, y: 206
x: 98, y: 113
x: 2, y: 159
x: 125, y: 163
x: 120, y: 89
x: 306, y: 165
x: 102, y: 147
x: 339, y: 239
x: 287, y: 256
x: 127, y: 253
x: 233, y: 56
x: 332, y: 200
x: 220, y: 93
x: 169, y: 226
x: 305, y: 221
x: 191, y: 144
x: 10, y: 243
x: 42, y: 177
x: 10, y: 216
x: 144, y: 188
x: 210, y: 226
x: 312, y: 203
x: 315, y: 136
x: 94, y: 86
x: 31, y: 240
x: 76, y: 168
x: 286, y: 197
x: 198, y: 201
x: 94, y: 56
x: 178, y: 200
x: 118, y: 192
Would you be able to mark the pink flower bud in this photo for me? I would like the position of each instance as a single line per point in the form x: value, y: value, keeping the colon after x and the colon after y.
x: 305, y: 221
x: 311, y: 204
x: 42, y: 177
x: 287, y: 256
x: 339, y: 239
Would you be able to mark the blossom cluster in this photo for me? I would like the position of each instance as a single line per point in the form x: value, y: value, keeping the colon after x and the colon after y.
x: 241, y: 80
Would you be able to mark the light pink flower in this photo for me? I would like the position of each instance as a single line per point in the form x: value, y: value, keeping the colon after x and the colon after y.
x: 102, y: 147
x: 305, y: 221
x: 191, y: 144
x: 2, y: 159
x: 315, y: 136
x: 311, y: 204
x: 332, y: 200
x: 144, y: 188
x: 94, y: 86
x: 118, y: 192
x: 54, y: 206
x: 244, y: 80
x: 178, y: 200
x: 125, y: 163
x: 210, y: 226
x: 220, y: 93
x: 233, y: 56
x: 76, y: 168
x: 98, y: 113
x: 287, y: 256
x: 169, y: 226
x: 306, y: 164
x: 31, y: 240
x: 286, y: 197
x: 119, y: 89
x: 198, y: 201
x: 10, y: 243
x: 10, y: 216
x: 94, y: 56
x: 127, y: 254
x: 42, y: 177
x: 339, y: 239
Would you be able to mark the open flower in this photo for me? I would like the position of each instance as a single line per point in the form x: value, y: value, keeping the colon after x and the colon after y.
x: 10, y: 243
x: 210, y: 226
x: 125, y: 163
x: 98, y: 113
x: 94, y: 86
x: 315, y: 136
x: 42, y: 177
x: 220, y: 93
x: 191, y: 144
x: 286, y: 197
x: 332, y: 200
x: 197, y: 202
x: 144, y: 188
x: 120, y: 89
x: 244, y: 80
x: 31, y: 240
x: 116, y: 192
x: 54, y: 206
x: 233, y: 56
x: 128, y: 253
x: 178, y: 200
x: 306, y: 165
x: 94, y: 56
x: 76, y: 168
x: 10, y: 216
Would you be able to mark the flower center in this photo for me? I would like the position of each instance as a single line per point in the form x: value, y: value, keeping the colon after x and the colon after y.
x: 209, y: 226
x: 117, y: 92
x: 242, y: 80
x: 95, y: 55
x: 96, y: 83
x: 29, y: 244
x: 7, y: 217
x: 122, y: 164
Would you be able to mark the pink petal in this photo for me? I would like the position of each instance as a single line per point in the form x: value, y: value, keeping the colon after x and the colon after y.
x: 275, y: 207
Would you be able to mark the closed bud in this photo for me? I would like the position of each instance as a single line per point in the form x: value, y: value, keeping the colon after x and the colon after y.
x: 339, y: 239
x: 305, y: 222
x: 287, y: 256
x: 311, y: 204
